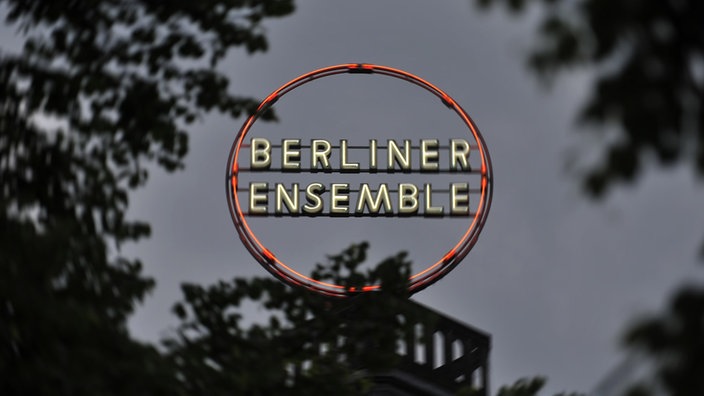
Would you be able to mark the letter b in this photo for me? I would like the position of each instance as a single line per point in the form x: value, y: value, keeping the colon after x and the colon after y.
x: 260, y: 155
x: 407, y: 198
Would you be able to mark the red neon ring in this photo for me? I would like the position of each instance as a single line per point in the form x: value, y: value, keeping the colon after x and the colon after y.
x: 417, y: 281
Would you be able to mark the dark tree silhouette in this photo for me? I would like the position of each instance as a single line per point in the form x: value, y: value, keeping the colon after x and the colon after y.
x: 100, y: 91
x: 676, y: 340
x: 648, y: 59
x: 304, y: 344
x: 523, y: 387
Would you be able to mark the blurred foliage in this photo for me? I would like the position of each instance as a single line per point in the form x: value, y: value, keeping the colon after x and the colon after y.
x: 648, y: 62
x: 523, y: 387
x: 528, y: 387
x: 676, y: 340
x: 99, y: 92
x: 639, y: 390
x: 647, y: 58
x: 303, y: 343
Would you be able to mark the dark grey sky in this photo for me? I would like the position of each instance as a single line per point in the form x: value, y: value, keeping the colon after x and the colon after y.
x: 554, y: 277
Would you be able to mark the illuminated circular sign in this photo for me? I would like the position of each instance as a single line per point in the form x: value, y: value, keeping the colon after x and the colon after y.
x: 461, y: 156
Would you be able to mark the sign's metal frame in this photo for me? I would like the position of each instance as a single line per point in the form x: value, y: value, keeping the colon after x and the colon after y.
x: 417, y: 281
